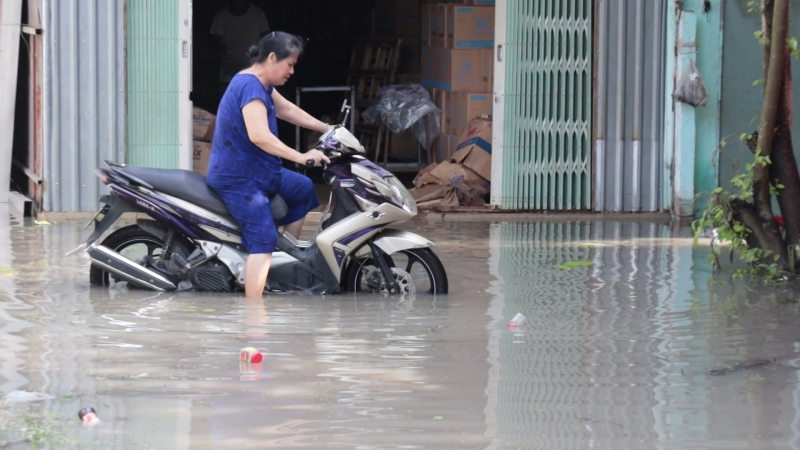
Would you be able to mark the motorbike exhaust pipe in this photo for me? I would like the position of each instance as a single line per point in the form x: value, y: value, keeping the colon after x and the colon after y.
x: 114, y: 263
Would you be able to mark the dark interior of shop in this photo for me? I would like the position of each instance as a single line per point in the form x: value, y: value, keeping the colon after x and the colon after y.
x: 328, y: 28
x: 19, y: 181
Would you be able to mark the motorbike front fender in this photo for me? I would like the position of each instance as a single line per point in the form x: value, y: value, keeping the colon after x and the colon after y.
x: 393, y: 241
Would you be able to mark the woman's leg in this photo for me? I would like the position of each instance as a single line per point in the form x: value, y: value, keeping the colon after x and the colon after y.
x: 251, y: 209
x: 299, y: 194
x: 295, y: 228
x: 255, y: 274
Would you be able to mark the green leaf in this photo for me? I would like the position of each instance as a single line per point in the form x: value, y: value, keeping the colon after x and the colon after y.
x: 208, y: 310
x: 571, y: 264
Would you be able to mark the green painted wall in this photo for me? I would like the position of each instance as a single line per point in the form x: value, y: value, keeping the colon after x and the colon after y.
x: 709, y: 38
x: 741, y: 101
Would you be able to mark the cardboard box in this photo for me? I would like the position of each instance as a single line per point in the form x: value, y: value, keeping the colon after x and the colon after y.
x: 451, y: 141
x: 475, y: 147
x: 203, y: 124
x: 481, y: 2
x: 397, y: 17
x: 487, y: 70
x: 452, y: 110
x: 425, y: 24
x: 439, y: 25
x: 429, y: 70
x: 410, y: 60
x: 469, y: 26
x: 449, y: 173
x: 460, y: 70
x: 424, y: 177
x: 429, y: 192
x: 468, y: 106
x: 201, y: 151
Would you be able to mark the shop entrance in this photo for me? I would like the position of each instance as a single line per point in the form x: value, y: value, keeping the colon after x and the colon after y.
x: 327, y: 28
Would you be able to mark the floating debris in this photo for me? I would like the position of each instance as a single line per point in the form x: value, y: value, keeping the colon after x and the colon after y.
x: 572, y: 264
x: 517, y: 321
x: 739, y: 366
x: 88, y: 416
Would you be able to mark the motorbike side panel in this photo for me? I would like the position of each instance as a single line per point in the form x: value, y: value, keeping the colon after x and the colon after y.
x: 341, y: 239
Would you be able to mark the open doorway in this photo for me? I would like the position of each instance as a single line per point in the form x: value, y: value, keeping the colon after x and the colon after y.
x: 21, y: 140
x: 327, y: 28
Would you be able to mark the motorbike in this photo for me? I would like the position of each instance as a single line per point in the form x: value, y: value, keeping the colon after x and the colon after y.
x: 189, y: 241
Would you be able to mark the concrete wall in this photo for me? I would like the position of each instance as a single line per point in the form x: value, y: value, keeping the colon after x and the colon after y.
x: 694, y: 32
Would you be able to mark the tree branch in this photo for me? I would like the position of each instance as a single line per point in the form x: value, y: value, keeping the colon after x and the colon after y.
x: 772, y: 93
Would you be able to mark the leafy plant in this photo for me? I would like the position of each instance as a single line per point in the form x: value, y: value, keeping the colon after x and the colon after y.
x: 719, y: 216
x: 38, y: 431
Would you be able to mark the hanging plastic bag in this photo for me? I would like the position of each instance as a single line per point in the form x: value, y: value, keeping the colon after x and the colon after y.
x: 691, y: 88
x: 401, y: 107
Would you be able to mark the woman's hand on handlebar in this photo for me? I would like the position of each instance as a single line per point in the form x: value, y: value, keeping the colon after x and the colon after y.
x: 314, y: 157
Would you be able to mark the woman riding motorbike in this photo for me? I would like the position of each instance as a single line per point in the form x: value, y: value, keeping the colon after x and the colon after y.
x: 245, y: 166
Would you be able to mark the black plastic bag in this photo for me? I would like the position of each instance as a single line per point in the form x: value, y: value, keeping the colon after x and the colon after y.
x: 401, y: 107
x: 691, y: 88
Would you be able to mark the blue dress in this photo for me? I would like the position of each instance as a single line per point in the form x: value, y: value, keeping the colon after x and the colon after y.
x: 245, y: 176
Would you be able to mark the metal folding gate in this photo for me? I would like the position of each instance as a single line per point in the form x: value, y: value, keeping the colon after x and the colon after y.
x: 545, y: 62
x: 629, y: 109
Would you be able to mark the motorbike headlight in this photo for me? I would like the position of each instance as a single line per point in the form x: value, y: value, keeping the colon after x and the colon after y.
x: 394, y: 190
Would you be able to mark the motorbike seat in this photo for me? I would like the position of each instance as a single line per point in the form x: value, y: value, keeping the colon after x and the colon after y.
x: 192, y: 187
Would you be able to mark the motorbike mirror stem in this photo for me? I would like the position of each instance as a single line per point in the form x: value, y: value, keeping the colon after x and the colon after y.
x: 346, y: 111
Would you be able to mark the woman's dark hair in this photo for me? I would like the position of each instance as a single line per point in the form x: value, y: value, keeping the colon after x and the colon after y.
x: 282, y: 44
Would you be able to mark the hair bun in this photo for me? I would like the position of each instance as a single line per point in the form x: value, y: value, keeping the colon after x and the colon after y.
x: 253, y: 52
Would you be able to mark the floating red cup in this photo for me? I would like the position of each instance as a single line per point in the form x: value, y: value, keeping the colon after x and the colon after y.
x: 88, y: 416
x: 251, y: 355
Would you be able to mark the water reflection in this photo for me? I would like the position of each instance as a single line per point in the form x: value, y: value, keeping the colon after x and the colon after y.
x: 624, y: 321
x: 616, y: 355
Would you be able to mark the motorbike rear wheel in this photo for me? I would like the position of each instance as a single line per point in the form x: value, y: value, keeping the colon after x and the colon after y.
x: 131, y: 242
x: 421, y: 264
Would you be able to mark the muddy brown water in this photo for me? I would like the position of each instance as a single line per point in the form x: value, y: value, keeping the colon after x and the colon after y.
x: 617, y: 354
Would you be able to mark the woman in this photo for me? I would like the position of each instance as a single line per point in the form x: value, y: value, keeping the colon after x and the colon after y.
x: 245, y: 165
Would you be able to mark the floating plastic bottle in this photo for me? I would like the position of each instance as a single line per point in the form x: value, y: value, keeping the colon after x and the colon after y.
x: 517, y: 321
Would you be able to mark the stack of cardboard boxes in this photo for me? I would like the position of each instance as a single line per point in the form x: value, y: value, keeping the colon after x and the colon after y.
x: 203, y: 131
x: 457, y: 68
x: 448, y: 48
x: 457, y: 64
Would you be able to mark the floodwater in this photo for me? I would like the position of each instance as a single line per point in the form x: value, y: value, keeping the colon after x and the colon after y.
x: 613, y: 355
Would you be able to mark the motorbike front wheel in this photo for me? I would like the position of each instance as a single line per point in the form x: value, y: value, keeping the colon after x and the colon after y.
x: 415, y: 271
